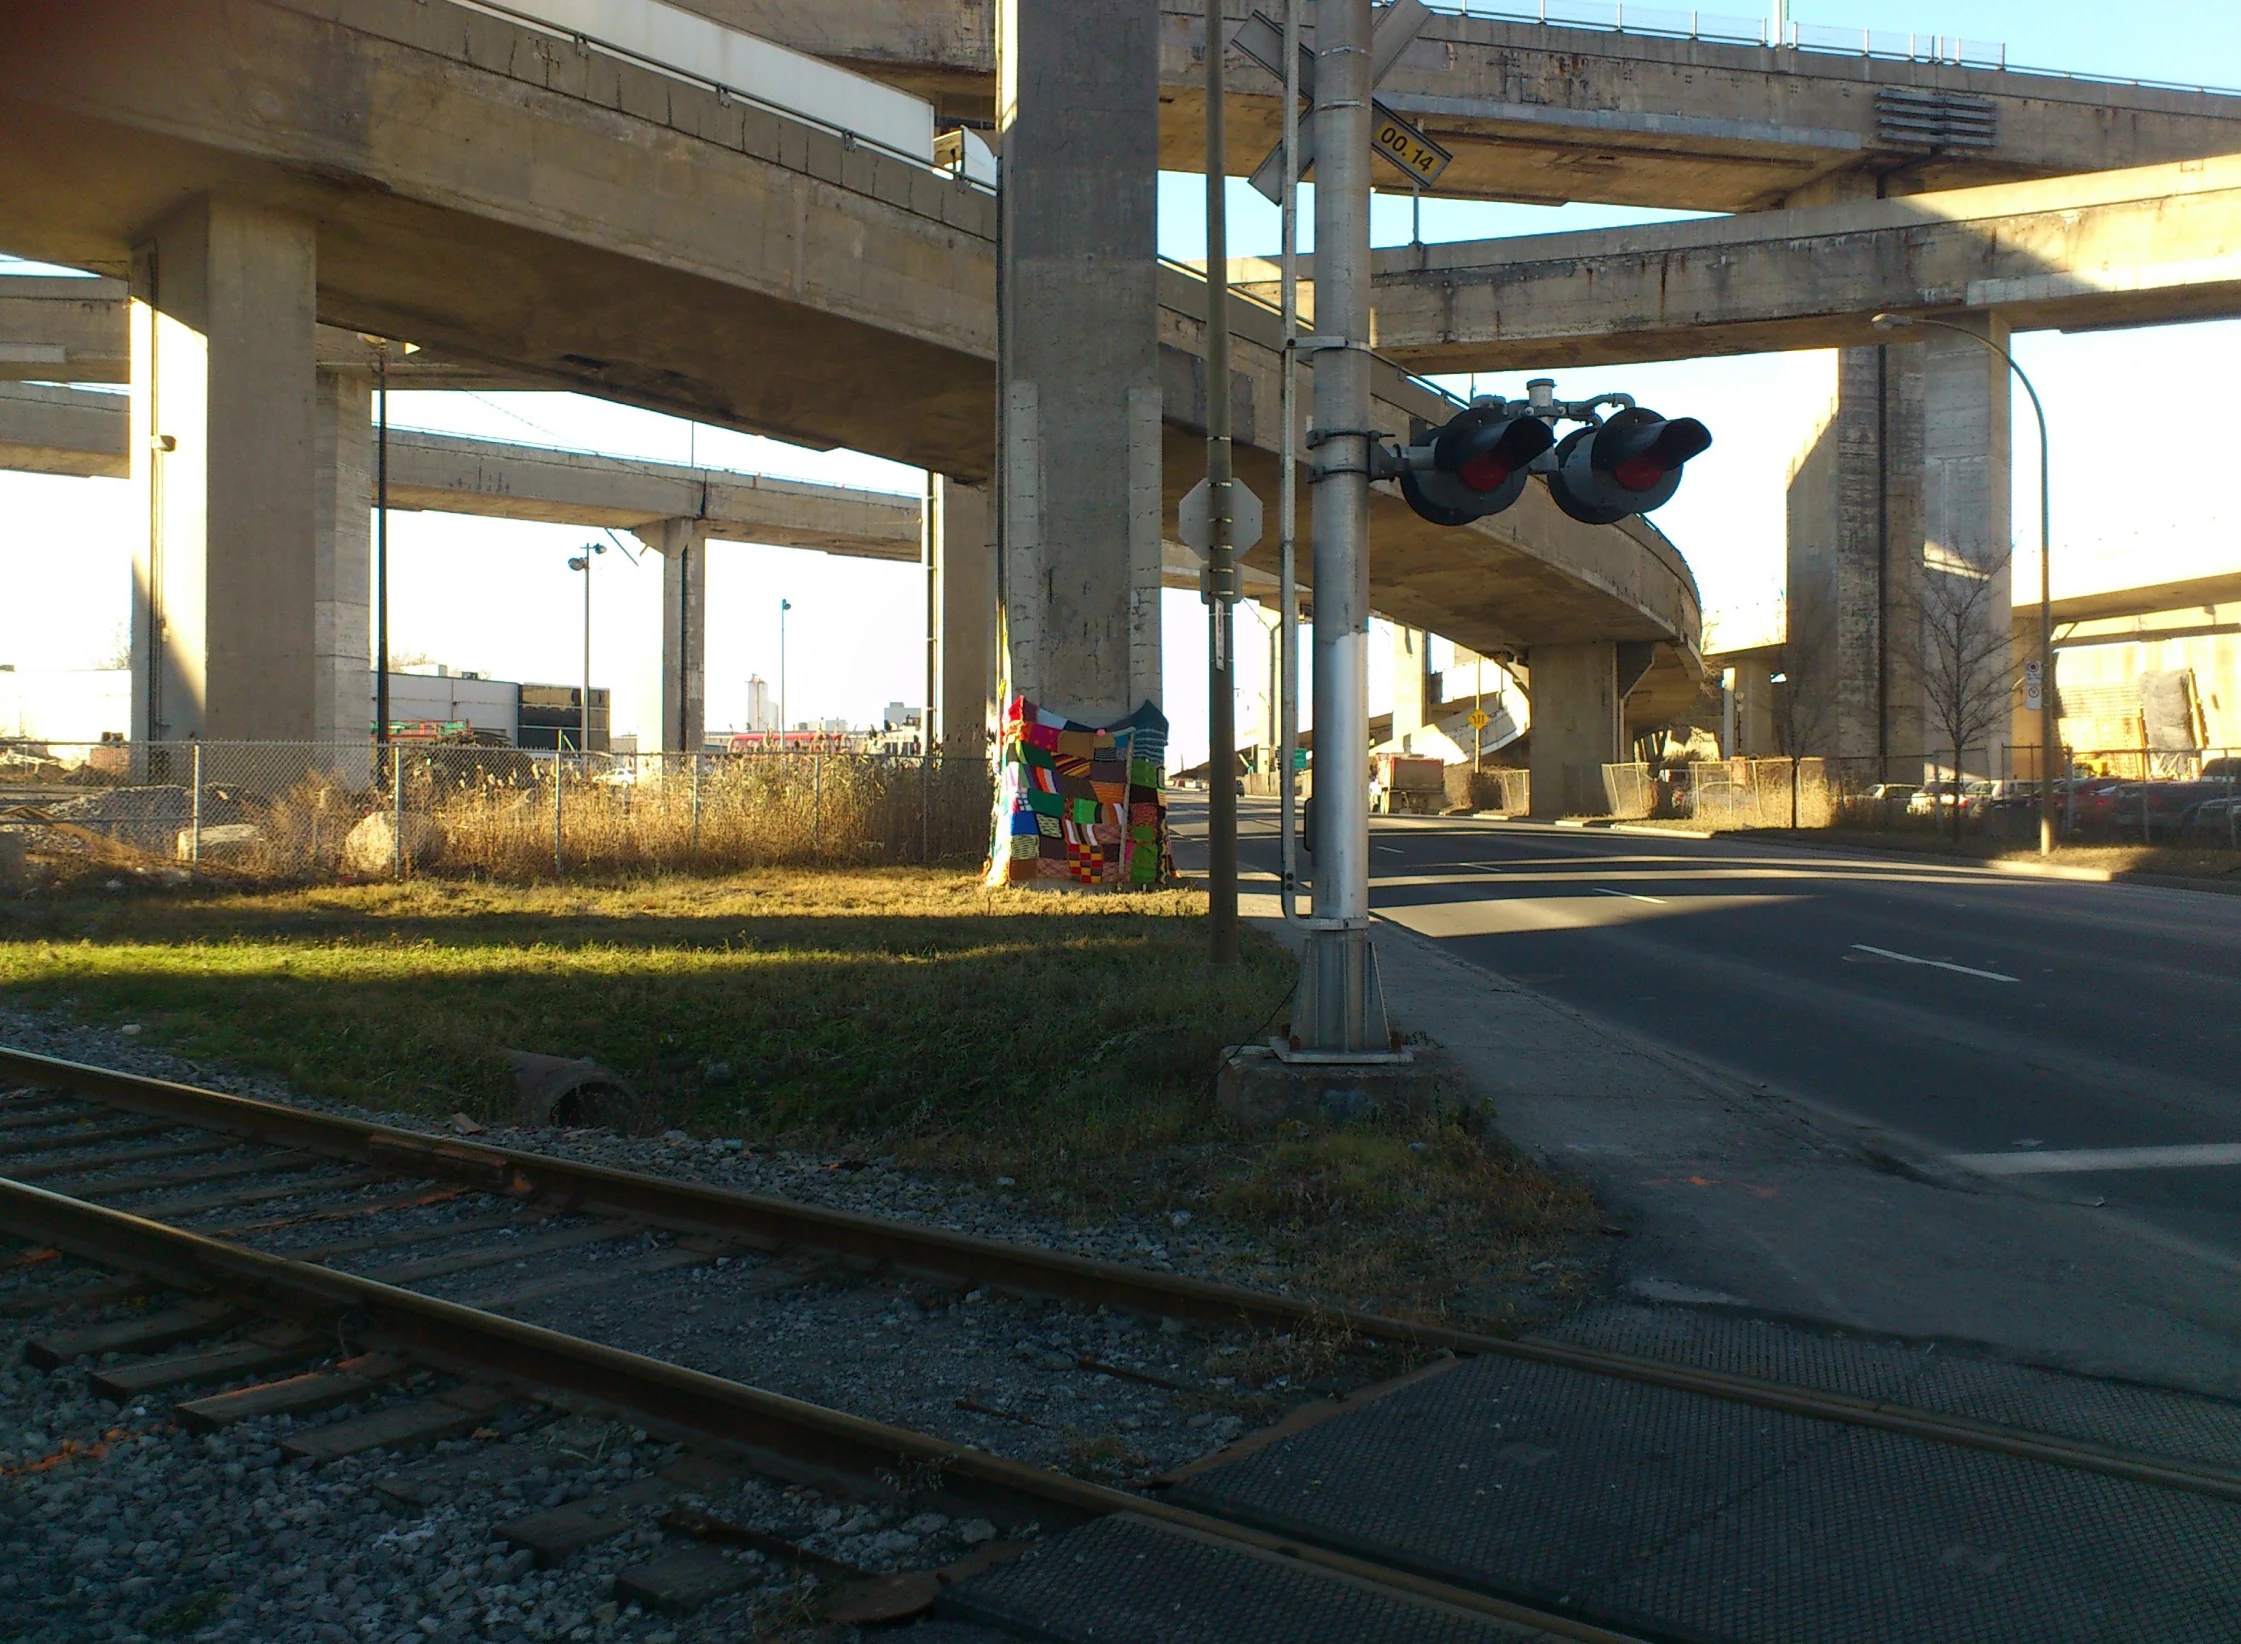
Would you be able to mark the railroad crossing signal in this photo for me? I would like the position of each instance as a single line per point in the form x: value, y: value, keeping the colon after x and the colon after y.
x: 1476, y: 462
x: 1396, y: 139
x: 1478, y: 465
x: 1629, y: 464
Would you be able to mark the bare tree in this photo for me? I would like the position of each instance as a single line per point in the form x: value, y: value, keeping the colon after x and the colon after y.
x: 1804, y: 701
x: 1963, y: 665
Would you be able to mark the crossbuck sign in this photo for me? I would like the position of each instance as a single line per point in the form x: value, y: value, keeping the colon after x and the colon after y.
x: 1404, y: 145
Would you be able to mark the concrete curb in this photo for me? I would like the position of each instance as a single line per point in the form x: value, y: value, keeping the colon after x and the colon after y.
x: 2007, y: 865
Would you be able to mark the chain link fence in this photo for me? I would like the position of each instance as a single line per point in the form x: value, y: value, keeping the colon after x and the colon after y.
x: 2147, y: 796
x: 299, y: 812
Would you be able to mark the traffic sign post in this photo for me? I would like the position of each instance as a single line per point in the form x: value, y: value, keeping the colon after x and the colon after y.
x: 1194, y: 517
x: 1390, y: 135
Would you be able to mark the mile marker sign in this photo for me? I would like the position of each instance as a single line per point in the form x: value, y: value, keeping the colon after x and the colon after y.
x: 1263, y: 41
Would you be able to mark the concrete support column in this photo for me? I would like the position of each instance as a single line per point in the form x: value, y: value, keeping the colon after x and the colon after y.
x: 673, y: 676
x: 225, y: 464
x: 1576, y: 729
x: 1754, y: 711
x: 1967, y: 527
x: 1855, y: 552
x: 1412, y: 679
x: 960, y: 562
x: 342, y: 617
x: 1078, y: 410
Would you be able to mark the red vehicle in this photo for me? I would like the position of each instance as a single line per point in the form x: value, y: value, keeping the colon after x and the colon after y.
x: 2089, y: 803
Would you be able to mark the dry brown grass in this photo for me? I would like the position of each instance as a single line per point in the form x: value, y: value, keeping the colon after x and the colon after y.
x: 492, y: 813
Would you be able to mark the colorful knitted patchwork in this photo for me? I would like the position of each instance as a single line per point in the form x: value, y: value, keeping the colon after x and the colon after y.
x: 1078, y: 804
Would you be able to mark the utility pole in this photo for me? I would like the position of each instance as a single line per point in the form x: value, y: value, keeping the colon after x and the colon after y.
x: 381, y: 552
x: 784, y: 606
x: 583, y: 707
x: 1221, y: 563
x: 1342, y: 1012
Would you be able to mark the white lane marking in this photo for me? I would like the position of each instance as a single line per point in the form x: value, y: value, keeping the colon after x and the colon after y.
x: 1389, y: 850
x: 1941, y: 964
x: 1629, y: 895
x: 2191, y: 1156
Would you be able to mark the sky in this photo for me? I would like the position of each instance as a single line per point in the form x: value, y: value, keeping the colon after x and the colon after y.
x: 497, y: 597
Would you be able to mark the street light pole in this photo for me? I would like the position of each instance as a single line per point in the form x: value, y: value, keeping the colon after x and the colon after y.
x: 583, y: 708
x: 2048, y: 727
x: 381, y: 552
x: 784, y: 606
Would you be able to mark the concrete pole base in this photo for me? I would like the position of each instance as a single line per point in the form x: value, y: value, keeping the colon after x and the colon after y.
x: 1258, y: 1087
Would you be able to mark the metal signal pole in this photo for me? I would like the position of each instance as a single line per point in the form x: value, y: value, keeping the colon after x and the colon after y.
x: 1343, y: 1013
x: 1221, y: 561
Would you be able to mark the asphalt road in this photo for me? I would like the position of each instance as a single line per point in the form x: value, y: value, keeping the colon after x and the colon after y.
x: 2080, y: 1039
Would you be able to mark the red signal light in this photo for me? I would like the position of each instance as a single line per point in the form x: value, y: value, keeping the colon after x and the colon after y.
x: 1484, y: 473
x: 1639, y: 473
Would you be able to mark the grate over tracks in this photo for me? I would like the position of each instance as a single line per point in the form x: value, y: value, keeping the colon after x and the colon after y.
x: 1667, y: 1513
x: 2156, y: 1421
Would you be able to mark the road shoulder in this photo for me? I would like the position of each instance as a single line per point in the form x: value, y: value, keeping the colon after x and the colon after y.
x: 1738, y: 1195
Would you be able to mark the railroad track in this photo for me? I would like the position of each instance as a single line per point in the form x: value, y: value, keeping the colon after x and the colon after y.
x: 108, y: 1166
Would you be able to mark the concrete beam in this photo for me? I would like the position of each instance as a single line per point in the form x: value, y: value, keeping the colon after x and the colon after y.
x: 78, y: 432
x: 1535, y: 112
x: 2143, y: 246
x: 57, y: 329
x: 2193, y: 594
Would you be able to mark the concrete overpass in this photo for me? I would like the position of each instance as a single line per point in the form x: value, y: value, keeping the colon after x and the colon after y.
x: 560, y: 216
x: 1550, y: 113
x: 2144, y: 246
x: 80, y: 432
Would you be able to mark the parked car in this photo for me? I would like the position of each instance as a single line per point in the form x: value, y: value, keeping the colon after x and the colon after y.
x: 2156, y: 809
x: 1932, y: 799
x: 2214, y: 821
x: 2090, y: 803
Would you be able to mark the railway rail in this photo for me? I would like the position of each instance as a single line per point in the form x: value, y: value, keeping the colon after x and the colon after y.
x: 74, y: 1138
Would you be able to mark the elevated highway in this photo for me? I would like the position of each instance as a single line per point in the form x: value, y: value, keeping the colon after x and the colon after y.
x: 2144, y: 246
x: 1548, y: 113
x: 47, y: 429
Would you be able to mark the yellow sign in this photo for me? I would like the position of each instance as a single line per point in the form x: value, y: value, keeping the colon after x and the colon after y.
x: 1479, y: 721
x: 1408, y: 148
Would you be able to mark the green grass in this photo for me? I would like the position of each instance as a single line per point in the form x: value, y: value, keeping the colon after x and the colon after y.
x: 883, y: 1006
x: 1067, y: 1041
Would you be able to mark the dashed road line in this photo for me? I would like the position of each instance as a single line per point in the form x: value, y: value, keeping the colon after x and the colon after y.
x: 1940, y: 964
